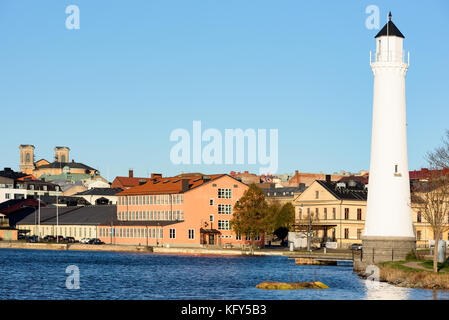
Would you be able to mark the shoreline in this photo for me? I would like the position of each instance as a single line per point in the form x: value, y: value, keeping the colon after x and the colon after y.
x: 142, y: 249
x: 411, y: 278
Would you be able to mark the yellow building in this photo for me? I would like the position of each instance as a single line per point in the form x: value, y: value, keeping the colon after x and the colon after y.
x: 342, y: 207
x: 337, y: 207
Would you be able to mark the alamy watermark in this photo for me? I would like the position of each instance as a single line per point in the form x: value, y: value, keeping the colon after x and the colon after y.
x: 373, y: 278
x: 373, y: 20
x: 73, y: 20
x: 73, y: 279
x: 189, y: 148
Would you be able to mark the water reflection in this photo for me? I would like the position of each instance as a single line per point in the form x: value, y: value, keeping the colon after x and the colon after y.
x: 385, y: 291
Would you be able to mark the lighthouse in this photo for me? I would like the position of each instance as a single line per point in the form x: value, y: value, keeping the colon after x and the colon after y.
x: 388, y: 227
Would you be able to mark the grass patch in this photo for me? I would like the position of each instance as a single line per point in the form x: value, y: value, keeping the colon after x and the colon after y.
x: 398, y: 274
x: 442, y: 266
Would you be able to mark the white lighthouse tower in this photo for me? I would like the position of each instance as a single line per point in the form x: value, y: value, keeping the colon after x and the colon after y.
x: 388, y: 227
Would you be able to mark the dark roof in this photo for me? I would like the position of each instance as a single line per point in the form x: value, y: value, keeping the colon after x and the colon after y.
x: 88, y: 215
x: 100, y: 192
x: 279, y: 192
x: 10, y: 206
x: 81, y: 215
x: 57, y: 164
x: 9, y: 173
x: 357, y: 192
x: 392, y: 30
x: 69, y: 200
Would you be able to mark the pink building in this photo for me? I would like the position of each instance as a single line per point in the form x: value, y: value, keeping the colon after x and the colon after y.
x: 181, y: 211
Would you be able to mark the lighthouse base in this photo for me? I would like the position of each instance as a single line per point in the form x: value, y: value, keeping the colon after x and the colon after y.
x: 380, y: 249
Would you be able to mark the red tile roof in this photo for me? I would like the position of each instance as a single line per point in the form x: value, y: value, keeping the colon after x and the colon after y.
x: 127, y: 182
x: 170, y: 184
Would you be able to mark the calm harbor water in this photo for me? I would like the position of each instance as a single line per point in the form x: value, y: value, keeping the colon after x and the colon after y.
x: 41, y: 274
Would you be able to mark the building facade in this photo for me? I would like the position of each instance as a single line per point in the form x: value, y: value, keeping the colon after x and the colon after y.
x: 184, y: 210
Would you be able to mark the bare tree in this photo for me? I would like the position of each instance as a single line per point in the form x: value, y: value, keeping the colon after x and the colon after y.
x: 305, y: 223
x: 439, y: 158
x: 431, y: 197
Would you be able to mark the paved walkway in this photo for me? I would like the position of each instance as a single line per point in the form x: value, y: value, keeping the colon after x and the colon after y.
x: 417, y: 265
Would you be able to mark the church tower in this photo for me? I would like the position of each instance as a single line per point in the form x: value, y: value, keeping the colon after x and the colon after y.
x: 62, y: 154
x: 388, y: 227
x: 26, y: 158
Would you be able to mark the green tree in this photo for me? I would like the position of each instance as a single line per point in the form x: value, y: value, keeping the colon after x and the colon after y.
x: 250, y: 214
x: 281, y: 219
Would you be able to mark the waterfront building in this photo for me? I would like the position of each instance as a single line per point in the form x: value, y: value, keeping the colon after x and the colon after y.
x: 78, y: 222
x: 336, y: 210
x: 341, y: 208
x: 182, y: 211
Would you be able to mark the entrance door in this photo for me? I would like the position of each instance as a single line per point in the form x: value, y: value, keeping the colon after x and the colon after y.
x: 211, y: 239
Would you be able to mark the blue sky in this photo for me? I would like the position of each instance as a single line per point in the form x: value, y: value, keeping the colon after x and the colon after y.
x: 115, y: 89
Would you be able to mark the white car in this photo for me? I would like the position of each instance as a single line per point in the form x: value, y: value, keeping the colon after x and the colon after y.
x: 84, y: 240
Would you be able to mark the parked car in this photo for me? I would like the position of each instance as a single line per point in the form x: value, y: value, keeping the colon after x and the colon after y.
x: 95, y: 241
x: 84, y: 240
x: 69, y: 240
x: 21, y: 236
x: 33, y: 239
x: 49, y: 238
x: 356, y: 246
x: 60, y: 238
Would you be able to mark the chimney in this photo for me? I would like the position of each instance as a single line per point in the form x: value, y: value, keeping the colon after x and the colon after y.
x: 328, y: 178
x: 131, y: 173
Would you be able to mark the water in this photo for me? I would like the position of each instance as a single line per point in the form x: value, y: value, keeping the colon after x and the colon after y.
x: 41, y: 274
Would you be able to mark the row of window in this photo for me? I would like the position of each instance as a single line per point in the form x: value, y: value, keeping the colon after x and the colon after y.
x: 151, y: 215
x: 151, y: 233
x: 359, y: 233
x: 325, y: 215
x: 132, y: 232
x: 224, y: 225
x: 224, y: 209
x: 247, y: 238
x: 224, y: 193
x: 78, y: 232
x: 151, y: 199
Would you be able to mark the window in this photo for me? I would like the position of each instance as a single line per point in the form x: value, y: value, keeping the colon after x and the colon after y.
x: 359, y: 214
x: 334, y: 213
x: 317, y: 211
x: 224, y: 209
x: 317, y: 194
x: 346, y: 233
x: 359, y: 234
x: 224, y: 225
x: 418, y: 235
x: 325, y: 213
x: 419, y: 217
x: 238, y: 236
x: 191, y: 234
x: 211, y: 202
x: 346, y: 213
x: 224, y: 193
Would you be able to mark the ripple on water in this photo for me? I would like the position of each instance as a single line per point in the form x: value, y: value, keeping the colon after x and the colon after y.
x: 40, y: 274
